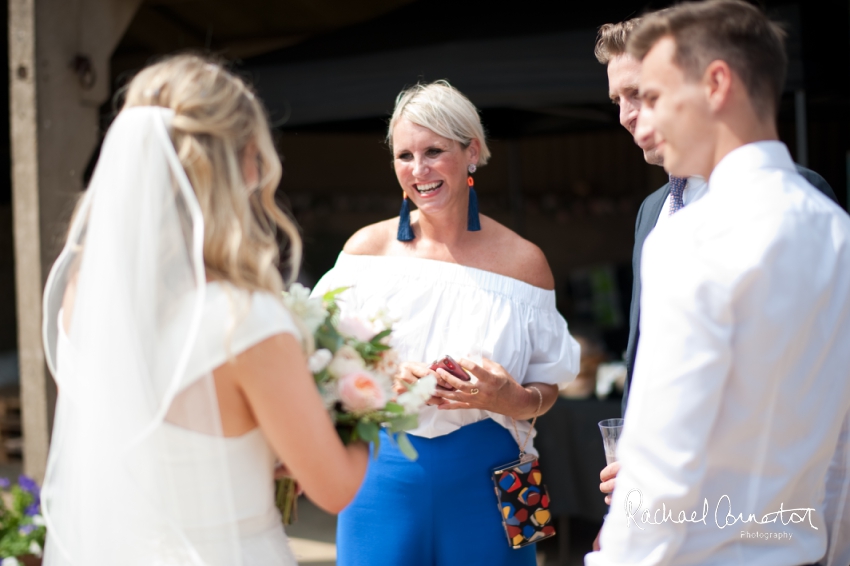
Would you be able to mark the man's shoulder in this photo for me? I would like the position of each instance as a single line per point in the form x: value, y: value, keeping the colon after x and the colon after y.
x: 816, y: 181
x: 652, y: 203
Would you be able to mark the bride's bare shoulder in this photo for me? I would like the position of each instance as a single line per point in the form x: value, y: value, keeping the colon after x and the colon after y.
x: 373, y: 239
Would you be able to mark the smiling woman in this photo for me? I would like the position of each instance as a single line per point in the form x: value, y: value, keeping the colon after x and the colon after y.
x: 437, y: 134
x: 461, y: 285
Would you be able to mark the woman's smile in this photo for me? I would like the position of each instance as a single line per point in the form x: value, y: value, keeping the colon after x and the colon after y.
x: 428, y: 189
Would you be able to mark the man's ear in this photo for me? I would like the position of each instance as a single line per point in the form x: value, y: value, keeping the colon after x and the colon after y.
x: 717, y: 80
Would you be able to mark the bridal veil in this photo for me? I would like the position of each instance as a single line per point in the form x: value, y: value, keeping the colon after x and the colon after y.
x: 133, y: 271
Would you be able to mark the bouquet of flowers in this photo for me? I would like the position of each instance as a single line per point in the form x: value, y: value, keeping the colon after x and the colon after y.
x: 22, y: 528
x: 353, y: 366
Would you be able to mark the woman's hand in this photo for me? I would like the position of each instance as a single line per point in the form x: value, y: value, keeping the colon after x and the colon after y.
x: 491, y: 388
x: 409, y: 373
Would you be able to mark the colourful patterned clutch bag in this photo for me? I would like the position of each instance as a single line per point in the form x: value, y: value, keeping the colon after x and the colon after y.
x: 523, y: 502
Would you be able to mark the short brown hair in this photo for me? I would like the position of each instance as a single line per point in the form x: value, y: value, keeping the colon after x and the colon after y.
x: 730, y: 30
x: 612, y: 38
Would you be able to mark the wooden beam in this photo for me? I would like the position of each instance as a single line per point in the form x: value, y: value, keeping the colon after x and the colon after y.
x: 27, y: 230
x: 54, y: 130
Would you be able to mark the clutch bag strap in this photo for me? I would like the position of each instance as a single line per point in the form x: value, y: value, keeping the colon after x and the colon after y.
x: 523, y: 443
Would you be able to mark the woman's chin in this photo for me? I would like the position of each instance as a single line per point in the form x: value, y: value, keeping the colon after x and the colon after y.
x: 431, y: 205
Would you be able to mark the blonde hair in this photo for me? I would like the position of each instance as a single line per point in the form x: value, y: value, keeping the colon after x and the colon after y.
x: 612, y: 39
x: 445, y: 111
x: 216, y: 119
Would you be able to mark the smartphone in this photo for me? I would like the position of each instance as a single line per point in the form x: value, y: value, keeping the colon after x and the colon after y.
x: 451, y: 366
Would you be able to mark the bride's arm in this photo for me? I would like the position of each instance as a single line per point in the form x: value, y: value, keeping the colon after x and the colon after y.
x: 281, y: 394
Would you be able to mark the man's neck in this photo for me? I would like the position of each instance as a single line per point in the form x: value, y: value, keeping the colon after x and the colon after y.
x: 738, y: 131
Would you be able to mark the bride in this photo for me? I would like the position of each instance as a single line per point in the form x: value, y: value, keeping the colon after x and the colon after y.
x: 181, y: 374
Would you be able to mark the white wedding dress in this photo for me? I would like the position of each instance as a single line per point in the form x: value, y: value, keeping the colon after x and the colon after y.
x: 139, y: 471
x: 224, y: 330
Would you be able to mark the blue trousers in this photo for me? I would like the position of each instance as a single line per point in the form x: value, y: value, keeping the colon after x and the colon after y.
x: 438, y: 511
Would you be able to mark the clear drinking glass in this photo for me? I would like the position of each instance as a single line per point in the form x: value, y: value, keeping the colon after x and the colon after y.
x: 611, y: 430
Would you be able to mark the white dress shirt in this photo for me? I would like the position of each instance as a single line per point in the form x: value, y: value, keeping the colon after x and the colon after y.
x: 741, y: 395
x: 694, y: 190
x: 444, y: 308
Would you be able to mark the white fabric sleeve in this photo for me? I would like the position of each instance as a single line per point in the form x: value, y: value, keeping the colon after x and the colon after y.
x: 267, y: 317
x: 683, y: 364
x: 234, y: 321
x: 837, y: 501
x: 555, y: 354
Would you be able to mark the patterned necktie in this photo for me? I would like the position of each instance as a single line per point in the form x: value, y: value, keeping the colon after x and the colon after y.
x: 677, y: 189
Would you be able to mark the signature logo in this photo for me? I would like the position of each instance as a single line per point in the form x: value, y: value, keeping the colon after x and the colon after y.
x: 723, y: 514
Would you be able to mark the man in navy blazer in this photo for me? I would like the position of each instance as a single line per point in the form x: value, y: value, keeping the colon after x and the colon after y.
x: 623, y: 79
x: 623, y: 74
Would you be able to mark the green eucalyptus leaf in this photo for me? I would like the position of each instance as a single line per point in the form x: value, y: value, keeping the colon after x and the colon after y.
x: 328, y: 337
x: 368, y: 431
x: 402, y: 423
x: 393, y: 407
x: 332, y: 294
x: 376, y: 339
x: 406, y: 447
x: 376, y: 447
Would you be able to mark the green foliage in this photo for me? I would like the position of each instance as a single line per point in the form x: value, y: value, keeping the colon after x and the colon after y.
x: 20, y: 520
x: 406, y: 447
x: 393, y: 407
x: 328, y: 337
x: 329, y: 298
x: 402, y: 423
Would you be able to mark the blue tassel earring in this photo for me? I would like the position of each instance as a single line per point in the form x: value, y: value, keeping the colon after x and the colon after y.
x: 473, y: 222
x: 405, y: 232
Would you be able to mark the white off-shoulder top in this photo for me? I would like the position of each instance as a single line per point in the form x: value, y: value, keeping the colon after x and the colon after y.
x: 445, y: 308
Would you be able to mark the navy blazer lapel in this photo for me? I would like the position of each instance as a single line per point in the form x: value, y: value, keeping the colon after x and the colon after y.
x: 647, y: 217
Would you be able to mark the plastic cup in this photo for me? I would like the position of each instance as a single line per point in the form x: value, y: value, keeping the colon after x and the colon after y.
x: 611, y: 430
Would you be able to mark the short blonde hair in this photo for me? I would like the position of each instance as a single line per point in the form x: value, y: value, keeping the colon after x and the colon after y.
x: 216, y: 119
x: 612, y: 39
x: 445, y: 111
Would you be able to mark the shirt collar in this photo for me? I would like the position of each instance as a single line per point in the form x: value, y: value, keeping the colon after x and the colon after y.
x: 747, y: 159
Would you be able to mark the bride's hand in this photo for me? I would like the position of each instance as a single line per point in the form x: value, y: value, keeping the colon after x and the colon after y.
x: 409, y: 373
x: 282, y: 472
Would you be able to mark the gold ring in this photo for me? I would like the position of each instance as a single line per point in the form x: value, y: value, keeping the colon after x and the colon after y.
x: 473, y: 391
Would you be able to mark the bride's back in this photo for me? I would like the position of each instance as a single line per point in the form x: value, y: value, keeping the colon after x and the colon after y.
x: 181, y: 374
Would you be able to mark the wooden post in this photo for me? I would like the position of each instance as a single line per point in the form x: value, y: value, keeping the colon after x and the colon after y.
x: 27, y: 231
x: 54, y: 129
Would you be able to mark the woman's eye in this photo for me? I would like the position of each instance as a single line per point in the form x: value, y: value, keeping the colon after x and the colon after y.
x: 433, y: 151
x: 404, y: 156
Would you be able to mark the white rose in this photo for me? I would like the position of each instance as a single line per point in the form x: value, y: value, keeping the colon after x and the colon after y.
x: 319, y: 360
x: 35, y: 548
x: 330, y: 395
x: 346, y: 360
x: 310, y: 310
x: 415, y: 398
x: 11, y: 561
x: 38, y: 521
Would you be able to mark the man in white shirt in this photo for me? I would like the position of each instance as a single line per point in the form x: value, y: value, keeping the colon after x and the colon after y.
x: 735, y: 449
x: 623, y: 84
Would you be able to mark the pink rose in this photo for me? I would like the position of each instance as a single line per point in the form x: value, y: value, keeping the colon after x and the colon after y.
x: 360, y: 391
x: 356, y: 327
